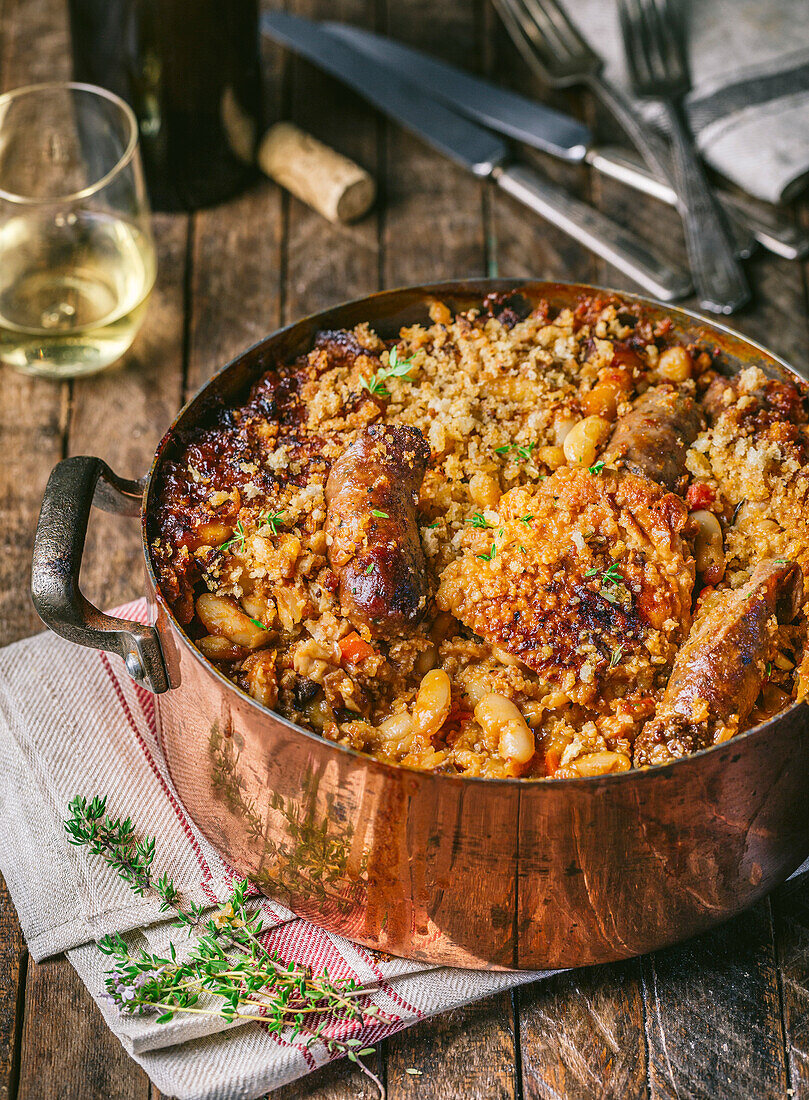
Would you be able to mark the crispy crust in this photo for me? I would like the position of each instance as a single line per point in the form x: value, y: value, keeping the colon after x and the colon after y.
x: 581, y: 610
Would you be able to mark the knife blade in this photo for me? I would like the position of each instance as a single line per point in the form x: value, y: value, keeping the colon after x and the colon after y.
x: 514, y: 115
x: 477, y: 150
x: 554, y: 132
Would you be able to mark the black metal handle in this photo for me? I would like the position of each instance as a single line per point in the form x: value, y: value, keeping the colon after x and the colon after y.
x: 73, y: 487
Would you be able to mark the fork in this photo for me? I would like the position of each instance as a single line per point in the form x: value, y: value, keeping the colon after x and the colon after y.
x: 658, y: 70
x: 556, y: 51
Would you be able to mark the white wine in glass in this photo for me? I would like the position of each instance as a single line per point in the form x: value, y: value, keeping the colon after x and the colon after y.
x: 77, y: 260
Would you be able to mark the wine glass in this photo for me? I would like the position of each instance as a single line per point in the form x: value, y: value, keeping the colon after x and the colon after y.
x: 77, y: 258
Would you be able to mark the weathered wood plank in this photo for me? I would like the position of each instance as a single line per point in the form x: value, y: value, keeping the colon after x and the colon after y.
x: 433, y: 218
x: 791, y: 914
x: 469, y: 1052
x: 713, y: 1014
x: 13, y: 967
x: 581, y: 1035
x: 65, y: 1053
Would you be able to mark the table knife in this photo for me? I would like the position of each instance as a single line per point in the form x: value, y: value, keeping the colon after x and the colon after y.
x: 545, y: 129
x: 478, y: 150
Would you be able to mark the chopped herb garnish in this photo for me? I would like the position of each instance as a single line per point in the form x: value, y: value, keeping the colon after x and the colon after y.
x: 479, y: 521
x: 769, y: 669
x: 370, y: 569
x: 239, y: 537
x: 396, y: 368
x: 523, y: 452
x: 269, y: 519
x: 522, y: 548
x: 612, y: 574
x: 737, y: 509
x: 526, y: 519
x: 432, y: 526
x: 259, y: 624
x: 491, y: 555
x: 378, y: 514
x: 616, y: 656
x: 596, y: 468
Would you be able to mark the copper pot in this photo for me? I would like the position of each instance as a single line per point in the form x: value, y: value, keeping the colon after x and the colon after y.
x: 466, y: 872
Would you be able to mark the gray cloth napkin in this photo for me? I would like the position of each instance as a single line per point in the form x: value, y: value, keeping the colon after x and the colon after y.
x: 749, y: 105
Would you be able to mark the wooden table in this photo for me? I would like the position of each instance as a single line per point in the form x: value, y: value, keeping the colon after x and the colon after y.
x: 726, y: 1015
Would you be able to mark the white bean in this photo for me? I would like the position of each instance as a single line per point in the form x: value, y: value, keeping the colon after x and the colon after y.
x: 222, y: 615
x: 484, y: 490
x: 582, y: 442
x: 500, y: 718
x: 261, y: 679
x: 602, y: 763
x: 433, y: 703
x: 674, y: 365
x: 709, y: 548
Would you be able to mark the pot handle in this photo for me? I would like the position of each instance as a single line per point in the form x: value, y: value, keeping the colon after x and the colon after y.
x: 73, y: 487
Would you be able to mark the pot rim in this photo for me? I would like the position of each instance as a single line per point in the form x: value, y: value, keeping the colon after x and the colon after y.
x: 428, y: 290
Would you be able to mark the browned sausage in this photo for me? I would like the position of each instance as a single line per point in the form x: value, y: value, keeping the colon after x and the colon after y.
x: 718, y: 673
x: 653, y: 438
x: 371, y: 531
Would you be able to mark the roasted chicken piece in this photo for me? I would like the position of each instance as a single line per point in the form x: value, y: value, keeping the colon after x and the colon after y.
x: 652, y: 439
x: 719, y: 671
x: 371, y: 530
x: 586, y: 579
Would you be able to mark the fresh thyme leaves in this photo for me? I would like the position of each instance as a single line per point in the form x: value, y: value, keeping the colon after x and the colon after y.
x: 259, y: 624
x: 269, y: 519
x: 491, y: 555
x: 479, y: 521
x: 378, y: 514
x: 596, y: 468
x: 616, y: 656
x: 396, y: 368
x: 523, y: 452
x: 370, y: 569
x: 227, y: 971
x: 526, y: 519
x: 768, y: 669
x: 610, y: 575
x: 239, y: 538
x: 432, y: 526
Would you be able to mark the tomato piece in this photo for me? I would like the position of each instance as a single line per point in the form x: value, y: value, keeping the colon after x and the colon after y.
x: 354, y: 648
x: 699, y: 496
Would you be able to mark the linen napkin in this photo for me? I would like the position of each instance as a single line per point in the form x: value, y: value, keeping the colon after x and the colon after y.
x: 749, y: 104
x: 72, y: 722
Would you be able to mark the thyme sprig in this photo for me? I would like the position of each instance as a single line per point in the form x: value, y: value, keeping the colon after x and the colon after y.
x: 396, y: 368
x: 227, y: 972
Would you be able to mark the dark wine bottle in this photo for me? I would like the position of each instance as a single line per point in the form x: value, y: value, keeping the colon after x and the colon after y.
x: 191, y: 71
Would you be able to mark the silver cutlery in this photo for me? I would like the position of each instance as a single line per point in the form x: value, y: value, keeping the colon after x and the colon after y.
x: 478, y: 150
x: 562, y: 136
x: 658, y: 70
x: 555, y: 49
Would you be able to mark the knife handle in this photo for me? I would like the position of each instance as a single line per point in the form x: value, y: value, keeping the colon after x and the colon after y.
x: 771, y: 228
x: 595, y: 231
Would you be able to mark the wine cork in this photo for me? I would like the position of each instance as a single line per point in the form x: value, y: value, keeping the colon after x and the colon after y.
x: 319, y: 176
